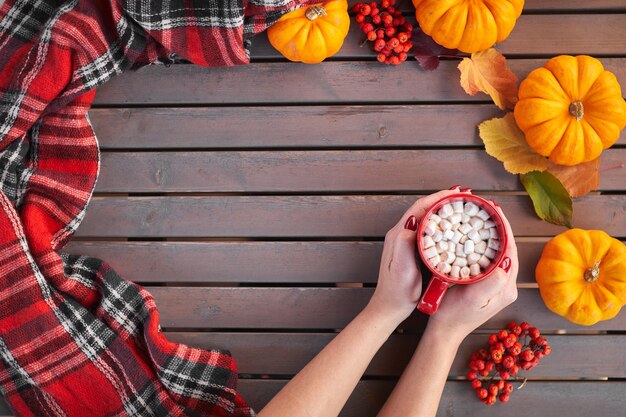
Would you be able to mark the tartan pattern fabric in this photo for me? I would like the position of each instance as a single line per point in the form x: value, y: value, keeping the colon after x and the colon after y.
x: 76, y: 339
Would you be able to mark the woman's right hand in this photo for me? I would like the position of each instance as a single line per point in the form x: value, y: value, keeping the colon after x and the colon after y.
x: 466, y: 307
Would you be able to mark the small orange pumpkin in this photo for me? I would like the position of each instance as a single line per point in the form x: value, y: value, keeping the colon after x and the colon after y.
x: 570, y: 109
x: 311, y: 34
x: 468, y: 25
x: 582, y: 276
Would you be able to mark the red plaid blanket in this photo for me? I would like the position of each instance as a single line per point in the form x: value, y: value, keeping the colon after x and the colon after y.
x: 75, y: 338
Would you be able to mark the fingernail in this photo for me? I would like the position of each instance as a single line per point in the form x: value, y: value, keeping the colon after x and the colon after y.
x: 466, y: 190
x: 506, y: 264
x: 411, y: 223
x: 494, y: 203
x: 454, y: 187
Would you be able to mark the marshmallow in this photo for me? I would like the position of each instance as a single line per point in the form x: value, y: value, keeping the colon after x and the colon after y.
x: 437, y: 236
x: 460, y: 262
x: 434, y: 260
x: 435, y: 218
x: 473, y: 258
x: 448, y: 257
x: 447, y: 235
x: 430, y: 252
x: 456, y: 218
x: 474, y: 235
x: 465, y: 228
x: 476, y: 223
x: 483, y: 215
x: 493, y: 244
x: 484, y: 234
x: 490, y: 253
x: 484, y: 262
x: 474, y: 269
x: 430, y: 228
x: 463, y: 239
x: 465, y: 272
x: 460, y: 250
x: 493, y: 233
x: 469, y: 247
x: 455, y: 226
x: 457, y: 237
x: 442, y: 246
x: 480, y: 247
x: 466, y: 218
x: 455, y: 271
x: 446, y: 211
x: 471, y: 209
x: 457, y: 206
x: 444, y: 267
x: 489, y: 224
x: 445, y: 225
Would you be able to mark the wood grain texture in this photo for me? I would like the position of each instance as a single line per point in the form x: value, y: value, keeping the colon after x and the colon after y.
x: 310, y: 216
x: 598, y: 35
x: 259, y: 262
x: 318, y: 171
x: 371, y: 126
x: 458, y: 400
x: 329, y: 82
x: 321, y: 308
x: 287, y: 353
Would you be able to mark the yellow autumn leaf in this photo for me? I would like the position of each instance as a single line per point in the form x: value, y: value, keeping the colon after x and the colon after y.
x: 505, y: 141
x: 579, y: 179
x: 486, y: 71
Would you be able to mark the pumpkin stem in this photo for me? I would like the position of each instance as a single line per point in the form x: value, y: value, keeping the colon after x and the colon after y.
x: 314, y: 12
x: 577, y: 110
x: 592, y: 274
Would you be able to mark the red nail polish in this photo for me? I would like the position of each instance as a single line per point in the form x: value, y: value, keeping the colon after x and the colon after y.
x: 411, y: 223
x: 465, y: 190
x: 454, y: 187
x: 506, y: 264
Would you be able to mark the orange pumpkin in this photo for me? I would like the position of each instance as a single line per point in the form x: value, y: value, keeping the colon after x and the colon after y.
x: 311, y: 34
x: 570, y: 109
x: 582, y: 275
x: 467, y: 25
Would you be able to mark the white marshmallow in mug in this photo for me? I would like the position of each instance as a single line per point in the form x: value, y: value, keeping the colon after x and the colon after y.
x: 465, y: 228
x: 484, y: 234
x: 465, y: 272
x: 493, y: 233
x: 476, y: 223
x: 456, y: 218
x: 457, y: 237
x: 430, y: 252
x: 493, y: 244
x: 474, y: 269
x: 430, y: 228
x: 447, y: 235
x: 445, y: 225
x: 460, y: 262
x: 435, y: 260
x: 466, y: 218
x: 455, y: 271
x: 437, y: 236
x: 433, y: 217
x: 483, y: 215
x: 460, y: 250
x: 468, y: 247
x: 442, y: 246
x: 473, y: 258
x: 480, y: 247
x: 446, y: 211
x: 489, y: 224
x: 471, y: 209
x: 484, y: 262
x: 448, y: 257
x: 490, y: 253
x: 444, y: 267
x: 475, y: 236
x: 457, y: 206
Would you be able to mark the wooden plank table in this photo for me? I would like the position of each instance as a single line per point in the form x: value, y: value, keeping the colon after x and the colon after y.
x: 252, y: 202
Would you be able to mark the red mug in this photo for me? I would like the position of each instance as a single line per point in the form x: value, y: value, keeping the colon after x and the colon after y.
x: 440, y: 282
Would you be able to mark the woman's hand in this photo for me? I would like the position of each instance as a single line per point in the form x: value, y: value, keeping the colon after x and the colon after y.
x: 399, y: 280
x: 465, y: 307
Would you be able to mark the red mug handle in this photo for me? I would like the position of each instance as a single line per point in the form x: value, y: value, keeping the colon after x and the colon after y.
x: 432, y: 297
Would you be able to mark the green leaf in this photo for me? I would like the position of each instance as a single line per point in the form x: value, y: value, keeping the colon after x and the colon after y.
x: 551, y: 200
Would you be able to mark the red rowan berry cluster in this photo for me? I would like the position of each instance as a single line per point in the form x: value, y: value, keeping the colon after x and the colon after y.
x: 518, y: 348
x: 386, y: 28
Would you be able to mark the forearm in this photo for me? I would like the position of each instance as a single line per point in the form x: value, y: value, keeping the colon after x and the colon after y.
x: 324, y: 385
x: 418, y: 391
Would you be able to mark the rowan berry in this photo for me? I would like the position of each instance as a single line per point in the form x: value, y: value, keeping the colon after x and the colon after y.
x: 546, y: 350
x: 375, y: 11
x: 493, y: 339
x: 489, y: 366
x: 510, y: 340
x: 407, y: 46
x: 376, y: 20
x: 357, y: 7
x: 527, y: 355
x: 514, y: 370
x: 525, y: 326
x: 491, y: 400
x: 505, y: 375
x: 541, y: 341
x: 393, y: 42
x: 508, y: 361
x: 394, y: 60
x: 381, y: 57
x: 504, y: 397
x: 482, y: 353
x: 482, y: 393
x: 508, y: 387
x: 503, y: 334
x: 392, y: 2
x: 480, y: 364
x: 379, y: 45
x: 499, y: 346
x: 365, y: 9
x: 516, y: 349
x: 401, y: 19
x: 539, y: 354
x: 534, y: 332
x: 385, y: 3
x: 391, y: 9
x: 407, y: 27
x: 380, y: 33
x: 367, y: 28
x: 493, y: 389
x: 402, y: 37
x: 390, y: 31
x: 472, y: 374
x: 371, y: 36
x: 476, y: 384
x: 359, y: 18
x: 484, y: 372
x: 496, y: 355
x: 387, y: 19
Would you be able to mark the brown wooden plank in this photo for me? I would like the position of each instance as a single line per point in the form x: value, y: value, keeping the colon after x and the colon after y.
x: 317, y: 171
x: 546, y: 6
x: 537, y: 398
x: 287, y: 353
x: 310, y: 216
x: 338, y: 82
x: 261, y: 262
x: 534, y: 35
x: 321, y: 308
x: 277, y: 127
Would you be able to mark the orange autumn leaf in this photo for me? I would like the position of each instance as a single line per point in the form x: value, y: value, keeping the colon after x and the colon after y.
x: 579, y: 179
x: 486, y: 71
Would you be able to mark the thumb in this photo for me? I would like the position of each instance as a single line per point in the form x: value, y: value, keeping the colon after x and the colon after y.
x: 405, y: 245
x: 495, y: 282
